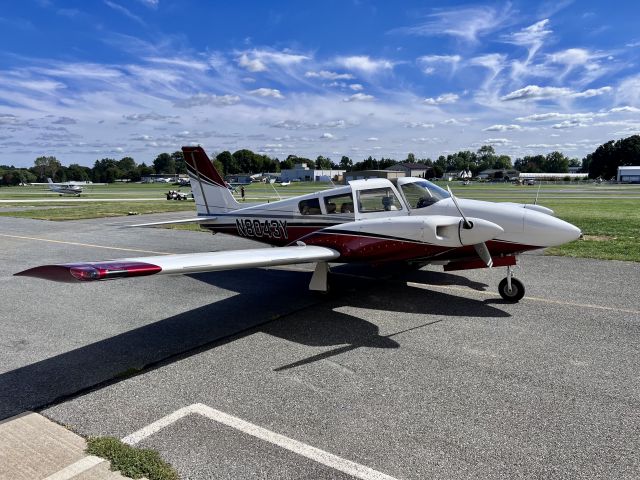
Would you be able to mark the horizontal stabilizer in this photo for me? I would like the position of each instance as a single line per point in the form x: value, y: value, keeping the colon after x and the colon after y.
x: 174, y: 222
x: 181, y: 263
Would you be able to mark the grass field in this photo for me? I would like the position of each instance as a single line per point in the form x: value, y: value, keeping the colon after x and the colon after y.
x: 608, y: 215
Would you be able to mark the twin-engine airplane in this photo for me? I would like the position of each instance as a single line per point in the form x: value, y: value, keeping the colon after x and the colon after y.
x: 375, y: 221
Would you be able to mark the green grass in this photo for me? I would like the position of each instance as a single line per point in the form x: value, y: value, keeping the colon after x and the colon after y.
x: 132, y: 462
x: 99, y: 210
x: 611, y: 228
x: 611, y: 225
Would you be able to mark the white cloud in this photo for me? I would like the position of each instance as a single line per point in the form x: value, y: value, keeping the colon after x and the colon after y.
x: 418, y: 125
x: 364, y: 63
x: 492, y: 61
x: 445, y: 98
x: 201, y: 99
x: 258, y: 60
x: 326, y: 136
x: 327, y: 75
x: 497, y: 141
x: 466, y: 23
x: 179, y: 62
x: 253, y: 65
x: 535, y: 92
x: 542, y: 117
x: 629, y: 91
x: 531, y: 37
x: 372, y: 139
x: 502, y: 128
x: 360, y: 97
x: 592, y: 92
x: 267, y: 92
x: 356, y: 87
x: 625, y: 109
x: 430, y: 63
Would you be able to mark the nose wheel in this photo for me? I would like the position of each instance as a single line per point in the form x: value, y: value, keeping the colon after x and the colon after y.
x: 510, y: 288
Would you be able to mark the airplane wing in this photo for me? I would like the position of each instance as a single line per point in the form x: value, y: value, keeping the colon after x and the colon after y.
x: 181, y: 263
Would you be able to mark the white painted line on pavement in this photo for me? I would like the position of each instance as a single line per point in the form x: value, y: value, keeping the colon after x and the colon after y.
x: 426, y: 286
x: 328, y: 459
x: 76, y: 468
x: 83, y: 244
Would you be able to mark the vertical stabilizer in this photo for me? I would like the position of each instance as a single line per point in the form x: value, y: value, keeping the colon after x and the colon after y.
x: 209, y: 189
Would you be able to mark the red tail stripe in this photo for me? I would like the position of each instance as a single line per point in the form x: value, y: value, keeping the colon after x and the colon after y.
x: 198, y: 160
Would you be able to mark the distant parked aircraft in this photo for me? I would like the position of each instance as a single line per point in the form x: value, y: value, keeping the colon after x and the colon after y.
x: 65, y: 188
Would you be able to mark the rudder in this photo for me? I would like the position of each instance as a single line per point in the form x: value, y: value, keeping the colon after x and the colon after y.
x: 209, y: 188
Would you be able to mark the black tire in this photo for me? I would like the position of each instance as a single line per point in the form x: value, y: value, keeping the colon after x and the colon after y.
x: 516, y: 293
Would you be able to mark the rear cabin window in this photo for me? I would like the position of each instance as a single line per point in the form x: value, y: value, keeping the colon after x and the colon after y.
x: 378, y: 200
x: 310, y: 207
x: 339, y: 204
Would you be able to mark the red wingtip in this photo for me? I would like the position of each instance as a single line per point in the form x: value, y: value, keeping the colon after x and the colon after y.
x: 199, y: 164
x: 86, y: 272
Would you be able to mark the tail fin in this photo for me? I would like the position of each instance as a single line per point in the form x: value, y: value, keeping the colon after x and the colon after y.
x: 50, y: 181
x: 209, y: 189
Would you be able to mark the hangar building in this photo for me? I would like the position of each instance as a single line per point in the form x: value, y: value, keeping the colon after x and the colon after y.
x: 629, y: 174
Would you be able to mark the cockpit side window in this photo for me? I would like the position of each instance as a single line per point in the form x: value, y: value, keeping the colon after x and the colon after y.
x: 311, y: 206
x: 378, y: 200
x: 422, y: 194
x: 342, y: 204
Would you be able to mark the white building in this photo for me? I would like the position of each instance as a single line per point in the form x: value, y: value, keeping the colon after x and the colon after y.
x: 629, y: 174
x: 301, y: 172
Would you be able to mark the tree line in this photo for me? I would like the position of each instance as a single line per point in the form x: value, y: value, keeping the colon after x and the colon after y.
x: 603, y: 162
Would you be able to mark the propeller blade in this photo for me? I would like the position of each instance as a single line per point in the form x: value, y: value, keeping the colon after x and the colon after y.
x: 483, y: 253
x: 537, y: 194
x: 467, y: 223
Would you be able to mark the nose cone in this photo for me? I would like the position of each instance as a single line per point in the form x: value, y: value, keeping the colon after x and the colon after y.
x: 548, y: 231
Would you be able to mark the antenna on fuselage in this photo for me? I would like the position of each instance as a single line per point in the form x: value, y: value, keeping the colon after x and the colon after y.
x: 538, y: 193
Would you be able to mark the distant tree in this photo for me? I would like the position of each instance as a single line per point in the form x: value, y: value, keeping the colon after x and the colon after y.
x: 46, y: 167
x: 229, y: 164
x: 144, y: 170
x: 164, y: 163
x: 323, y: 163
x: 178, y: 158
x: 78, y: 173
x: 411, y: 158
x: 128, y: 168
x: 606, y: 159
x: 346, y: 163
x: 217, y: 164
x: 556, y: 162
x: 503, y: 161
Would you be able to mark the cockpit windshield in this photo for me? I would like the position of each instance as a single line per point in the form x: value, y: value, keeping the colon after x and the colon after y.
x: 423, y: 193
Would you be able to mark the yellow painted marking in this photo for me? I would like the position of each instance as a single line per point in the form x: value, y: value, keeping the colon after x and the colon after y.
x: 83, y: 244
x: 535, y: 299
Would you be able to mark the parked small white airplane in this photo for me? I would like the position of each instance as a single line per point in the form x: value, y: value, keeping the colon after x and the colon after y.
x: 373, y: 221
x: 65, y: 188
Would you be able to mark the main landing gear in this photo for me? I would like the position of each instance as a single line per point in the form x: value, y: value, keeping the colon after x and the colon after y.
x: 510, y: 288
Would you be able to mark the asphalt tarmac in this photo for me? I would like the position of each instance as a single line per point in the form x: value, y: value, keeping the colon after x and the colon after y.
x: 418, y: 375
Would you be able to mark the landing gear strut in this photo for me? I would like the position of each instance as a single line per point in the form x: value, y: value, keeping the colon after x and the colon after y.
x: 510, y: 288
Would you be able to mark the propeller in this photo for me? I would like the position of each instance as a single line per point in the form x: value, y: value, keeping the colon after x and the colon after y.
x: 537, y: 194
x: 480, y: 248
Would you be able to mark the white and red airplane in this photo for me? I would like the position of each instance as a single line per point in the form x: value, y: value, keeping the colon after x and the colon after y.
x: 375, y: 221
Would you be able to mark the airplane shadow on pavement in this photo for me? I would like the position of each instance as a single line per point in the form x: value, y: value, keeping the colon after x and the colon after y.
x: 265, y: 298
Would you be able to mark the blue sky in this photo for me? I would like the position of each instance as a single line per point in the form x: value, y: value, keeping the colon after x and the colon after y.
x: 112, y: 78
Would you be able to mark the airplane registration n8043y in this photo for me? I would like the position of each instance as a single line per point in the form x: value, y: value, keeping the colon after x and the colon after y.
x: 375, y: 221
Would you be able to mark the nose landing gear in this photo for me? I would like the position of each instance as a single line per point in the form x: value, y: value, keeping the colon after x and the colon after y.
x: 510, y: 288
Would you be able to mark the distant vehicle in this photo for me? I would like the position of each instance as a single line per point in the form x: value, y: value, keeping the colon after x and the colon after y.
x: 64, y: 188
x: 176, y: 195
x: 465, y: 182
x: 529, y: 181
x: 284, y: 184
